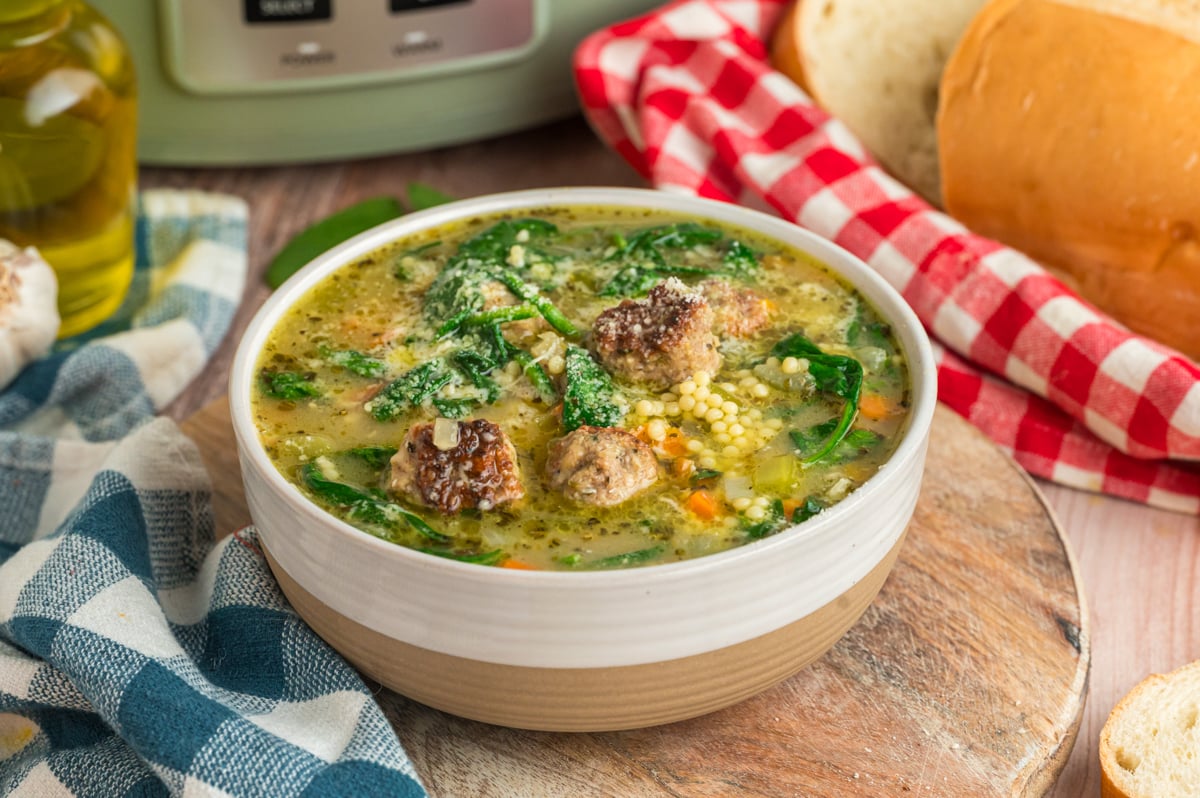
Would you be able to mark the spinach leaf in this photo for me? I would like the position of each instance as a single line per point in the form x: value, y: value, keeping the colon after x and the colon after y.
x: 287, y: 384
x: 589, y: 398
x: 455, y: 408
x: 375, y: 456
x: 354, y: 361
x: 478, y: 558
x: 364, y: 507
x: 702, y: 474
x: 646, y: 257
x: 478, y: 367
x: 855, y: 442
x: 410, y: 389
x: 836, y: 375
x: 458, y: 286
x: 627, y: 558
x: 772, y: 523
x: 807, y: 509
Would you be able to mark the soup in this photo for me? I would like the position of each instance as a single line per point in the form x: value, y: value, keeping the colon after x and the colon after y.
x: 580, y: 388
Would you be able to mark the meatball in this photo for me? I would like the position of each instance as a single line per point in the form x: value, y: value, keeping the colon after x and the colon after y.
x: 600, y: 465
x: 737, y: 312
x: 660, y: 340
x: 476, y: 469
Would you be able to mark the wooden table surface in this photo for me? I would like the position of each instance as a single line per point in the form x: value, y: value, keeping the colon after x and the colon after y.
x: 1138, y: 566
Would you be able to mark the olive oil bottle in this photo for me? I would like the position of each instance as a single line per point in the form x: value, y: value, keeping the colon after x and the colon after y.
x: 68, y: 141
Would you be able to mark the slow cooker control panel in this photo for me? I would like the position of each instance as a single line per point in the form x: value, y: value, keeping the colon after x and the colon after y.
x: 255, y: 46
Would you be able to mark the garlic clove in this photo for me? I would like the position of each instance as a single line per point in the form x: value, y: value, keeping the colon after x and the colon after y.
x: 29, y: 319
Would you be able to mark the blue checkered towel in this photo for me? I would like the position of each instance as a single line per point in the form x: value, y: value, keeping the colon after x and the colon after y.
x: 137, y: 657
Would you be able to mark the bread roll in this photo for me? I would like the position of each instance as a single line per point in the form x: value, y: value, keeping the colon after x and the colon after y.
x: 1149, y: 745
x: 1071, y: 130
x: 875, y: 65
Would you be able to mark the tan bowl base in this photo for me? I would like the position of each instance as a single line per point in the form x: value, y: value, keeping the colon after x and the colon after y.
x: 589, y: 699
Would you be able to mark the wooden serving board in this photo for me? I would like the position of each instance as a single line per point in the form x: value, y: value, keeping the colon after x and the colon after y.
x: 966, y: 677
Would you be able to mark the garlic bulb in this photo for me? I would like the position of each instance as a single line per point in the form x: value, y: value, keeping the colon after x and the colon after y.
x: 28, y: 309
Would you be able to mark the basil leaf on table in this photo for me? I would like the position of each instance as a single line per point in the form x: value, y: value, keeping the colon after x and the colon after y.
x: 328, y: 233
x: 422, y: 197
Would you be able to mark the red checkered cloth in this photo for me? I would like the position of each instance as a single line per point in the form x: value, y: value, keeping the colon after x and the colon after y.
x: 687, y: 96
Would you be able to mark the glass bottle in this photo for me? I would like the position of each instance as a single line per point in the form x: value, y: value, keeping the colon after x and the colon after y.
x: 68, y: 151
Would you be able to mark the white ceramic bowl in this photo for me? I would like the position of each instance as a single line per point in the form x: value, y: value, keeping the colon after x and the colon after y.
x: 590, y: 650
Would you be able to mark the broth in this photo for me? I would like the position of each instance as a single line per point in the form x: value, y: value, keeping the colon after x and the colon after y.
x: 495, y: 319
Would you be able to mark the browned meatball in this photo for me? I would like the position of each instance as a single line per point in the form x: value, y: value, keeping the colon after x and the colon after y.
x: 660, y: 340
x: 738, y: 312
x: 600, y: 465
x: 479, y: 470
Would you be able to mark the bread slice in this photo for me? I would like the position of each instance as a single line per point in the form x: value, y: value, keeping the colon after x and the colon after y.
x: 876, y: 66
x: 1150, y: 745
x: 1070, y: 130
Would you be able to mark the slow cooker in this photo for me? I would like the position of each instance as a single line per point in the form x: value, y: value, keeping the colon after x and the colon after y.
x: 273, y: 81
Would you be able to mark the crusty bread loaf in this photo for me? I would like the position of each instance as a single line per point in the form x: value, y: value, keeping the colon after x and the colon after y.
x: 1150, y: 745
x: 1070, y: 129
x: 875, y: 65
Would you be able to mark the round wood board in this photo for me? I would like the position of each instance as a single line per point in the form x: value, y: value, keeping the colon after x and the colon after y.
x: 966, y: 676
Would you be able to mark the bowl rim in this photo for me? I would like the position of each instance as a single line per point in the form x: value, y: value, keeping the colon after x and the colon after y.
x: 883, y: 297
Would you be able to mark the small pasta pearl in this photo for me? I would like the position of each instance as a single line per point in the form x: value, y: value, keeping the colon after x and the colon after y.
x: 740, y: 503
x: 686, y: 402
x: 713, y: 414
x: 719, y: 426
x: 730, y: 408
x: 702, y: 378
x: 728, y: 387
x: 645, y: 407
x: 707, y: 462
x: 789, y: 365
x: 731, y: 451
x: 723, y: 437
x: 734, y: 429
x: 759, y: 391
x: 656, y: 429
x: 687, y: 387
x: 694, y: 446
x: 671, y: 409
x: 756, y: 513
x: 701, y: 393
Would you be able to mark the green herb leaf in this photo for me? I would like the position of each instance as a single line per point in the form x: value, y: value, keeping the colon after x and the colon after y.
x: 589, y: 396
x: 701, y: 474
x: 411, y: 389
x: 628, y: 558
x: 647, y: 257
x: 455, y: 408
x: 354, y: 361
x: 422, y: 197
x: 807, y: 509
x: 772, y: 523
x: 478, y: 558
x: 375, y: 456
x: 836, y: 375
x: 287, y: 384
x: 364, y: 507
x: 459, y: 285
x: 328, y: 233
x: 810, y: 441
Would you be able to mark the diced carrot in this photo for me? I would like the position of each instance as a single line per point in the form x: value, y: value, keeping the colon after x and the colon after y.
x: 675, y: 444
x: 789, y: 507
x: 874, y: 406
x: 517, y: 565
x: 702, y: 504
x: 642, y: 433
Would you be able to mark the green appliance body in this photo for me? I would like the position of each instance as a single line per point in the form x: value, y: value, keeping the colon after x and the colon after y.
x: 244, y: 82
